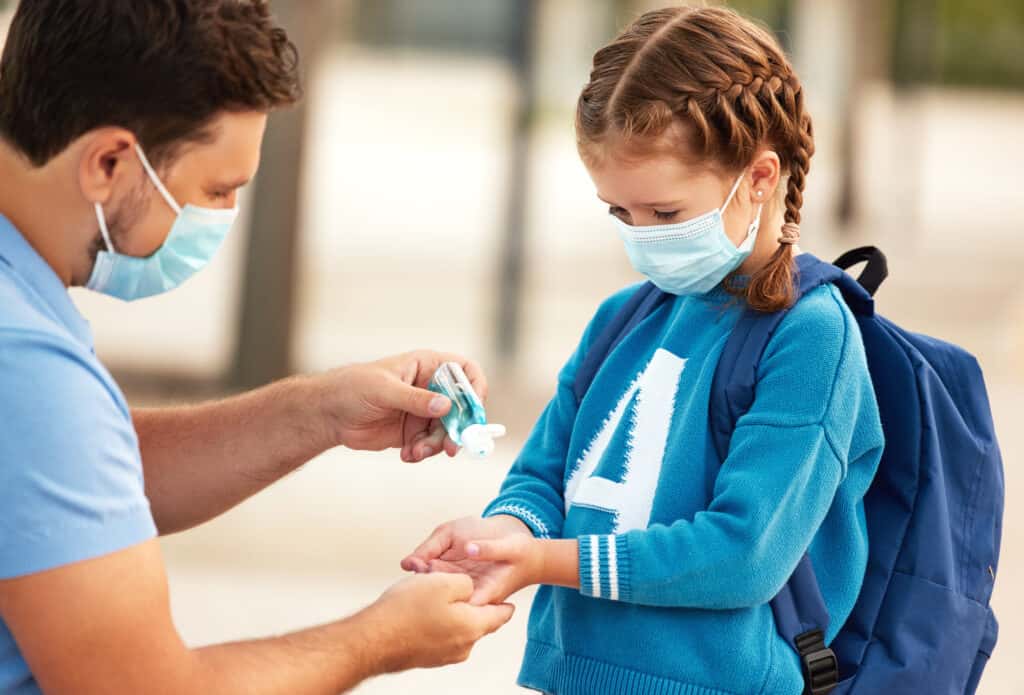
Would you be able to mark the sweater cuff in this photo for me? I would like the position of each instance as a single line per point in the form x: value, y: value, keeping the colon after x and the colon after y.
x: 529, y: 517
x: 605, y: 567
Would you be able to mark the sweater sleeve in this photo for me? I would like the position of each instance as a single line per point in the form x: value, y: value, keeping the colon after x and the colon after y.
x: 533, y: 490
x: 786, y: 459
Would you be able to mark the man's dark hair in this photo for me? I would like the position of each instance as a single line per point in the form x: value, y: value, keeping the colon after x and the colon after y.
x: 160, y: 68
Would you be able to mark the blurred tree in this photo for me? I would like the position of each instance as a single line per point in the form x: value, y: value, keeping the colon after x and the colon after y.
x: 480, y: 26
x: 264, y: 341
x: 959, y: 42
x: 513, y: 257
x: 504, y: 29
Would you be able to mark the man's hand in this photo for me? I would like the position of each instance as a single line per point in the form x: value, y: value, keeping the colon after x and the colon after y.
x: 425, y: 621
x: 104, y: 625
x: 384, y: 404
x: 202, y: 460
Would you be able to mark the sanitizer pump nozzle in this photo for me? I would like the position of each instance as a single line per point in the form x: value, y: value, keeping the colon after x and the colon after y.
x: 466, y: 423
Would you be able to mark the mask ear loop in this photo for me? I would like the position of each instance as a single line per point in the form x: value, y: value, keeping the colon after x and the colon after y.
x: 756, y: 224
x: 156, y: 181
x: 735, y: 187
x: 101, y: 218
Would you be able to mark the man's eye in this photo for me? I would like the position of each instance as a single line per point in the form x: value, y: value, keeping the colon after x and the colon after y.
x: 667, y: 215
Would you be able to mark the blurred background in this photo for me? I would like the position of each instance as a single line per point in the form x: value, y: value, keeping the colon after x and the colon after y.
x: 428, y: 194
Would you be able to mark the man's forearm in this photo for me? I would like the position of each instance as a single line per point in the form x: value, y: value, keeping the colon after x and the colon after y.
x: 200, y: 461
x: 329, y: 659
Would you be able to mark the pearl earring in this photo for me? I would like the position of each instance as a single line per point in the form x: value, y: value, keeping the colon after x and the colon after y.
x: 760, y: 193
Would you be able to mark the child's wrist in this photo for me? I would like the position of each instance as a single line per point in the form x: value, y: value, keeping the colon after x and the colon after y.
x: 557, y: 562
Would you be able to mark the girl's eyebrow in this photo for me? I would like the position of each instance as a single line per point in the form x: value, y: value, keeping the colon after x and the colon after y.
x: 664, y: 205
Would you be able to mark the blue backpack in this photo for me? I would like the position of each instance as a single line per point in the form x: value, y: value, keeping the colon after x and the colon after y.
x: 922, y: 622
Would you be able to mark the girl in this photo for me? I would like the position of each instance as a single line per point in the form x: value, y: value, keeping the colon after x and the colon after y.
x: 658, y: 560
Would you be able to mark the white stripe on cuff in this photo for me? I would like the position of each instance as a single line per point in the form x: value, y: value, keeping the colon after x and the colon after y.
x: 613, y: 570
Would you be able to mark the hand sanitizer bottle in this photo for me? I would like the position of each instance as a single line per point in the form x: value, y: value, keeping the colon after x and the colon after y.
x: 466, y: 422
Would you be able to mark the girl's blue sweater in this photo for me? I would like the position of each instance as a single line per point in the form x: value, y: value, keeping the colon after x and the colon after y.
x: 680, y: 553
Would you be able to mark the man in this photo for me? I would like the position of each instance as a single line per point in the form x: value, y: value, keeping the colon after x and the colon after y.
x: 126, y: 129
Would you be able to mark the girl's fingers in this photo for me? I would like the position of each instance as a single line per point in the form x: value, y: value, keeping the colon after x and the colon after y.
x: 430, y: 549
x: 496, y: 550
x: 414, y: 564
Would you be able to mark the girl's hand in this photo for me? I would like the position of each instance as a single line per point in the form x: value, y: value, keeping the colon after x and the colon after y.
x: 448, y: 541
x: 499, y: 567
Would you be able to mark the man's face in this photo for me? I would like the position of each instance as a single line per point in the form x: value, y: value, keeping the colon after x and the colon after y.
x: 206, y: 175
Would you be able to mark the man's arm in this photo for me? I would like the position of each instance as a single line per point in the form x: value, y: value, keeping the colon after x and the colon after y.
x: 200, y: 461
x: 116, y: 634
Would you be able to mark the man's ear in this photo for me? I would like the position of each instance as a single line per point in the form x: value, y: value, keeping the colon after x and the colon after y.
x: 107, y: 158
x: 765, y: 173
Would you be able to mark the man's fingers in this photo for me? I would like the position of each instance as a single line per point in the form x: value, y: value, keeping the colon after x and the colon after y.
x: 431, y: 443
x: 458, y: 588
x: 476, y: 376
x: 493, y: 617
x: 413, y: 431
x: 429, y: 361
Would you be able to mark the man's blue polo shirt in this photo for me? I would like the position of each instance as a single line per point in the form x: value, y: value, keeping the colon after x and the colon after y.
x: 71, y: 484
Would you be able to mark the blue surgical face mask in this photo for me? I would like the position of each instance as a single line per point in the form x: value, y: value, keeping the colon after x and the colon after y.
x: 690, y: 257
x: 195, y: 236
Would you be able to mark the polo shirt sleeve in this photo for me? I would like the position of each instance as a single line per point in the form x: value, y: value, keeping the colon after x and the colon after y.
x: 71, y: 485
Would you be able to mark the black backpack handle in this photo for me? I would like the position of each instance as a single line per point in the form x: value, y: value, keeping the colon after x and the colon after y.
x: 874, y: 273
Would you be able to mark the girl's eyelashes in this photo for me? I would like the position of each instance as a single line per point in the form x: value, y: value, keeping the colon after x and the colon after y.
x: 661, y: 215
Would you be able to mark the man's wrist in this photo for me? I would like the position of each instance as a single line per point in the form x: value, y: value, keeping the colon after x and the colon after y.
x: 312, y: 410
x: 379, y: 649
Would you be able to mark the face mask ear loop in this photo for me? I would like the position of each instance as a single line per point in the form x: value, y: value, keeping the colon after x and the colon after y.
x: 157, y: 182
x: 756, y: 224
x: 735, y: 187
x: 103, y: 227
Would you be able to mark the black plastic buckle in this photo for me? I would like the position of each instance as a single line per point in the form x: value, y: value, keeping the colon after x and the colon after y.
x: 819, y: 663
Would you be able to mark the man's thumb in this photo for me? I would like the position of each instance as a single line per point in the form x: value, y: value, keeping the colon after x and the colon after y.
x: 415, y: 401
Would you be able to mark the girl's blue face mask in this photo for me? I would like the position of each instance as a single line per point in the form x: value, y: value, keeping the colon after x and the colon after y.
x: 195, y: 236
x: 689, y: 257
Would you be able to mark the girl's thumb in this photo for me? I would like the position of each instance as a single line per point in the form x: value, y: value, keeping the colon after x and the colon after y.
x: 494, y: 550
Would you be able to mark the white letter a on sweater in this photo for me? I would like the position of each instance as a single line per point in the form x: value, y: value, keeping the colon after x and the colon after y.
x: 632, y: 498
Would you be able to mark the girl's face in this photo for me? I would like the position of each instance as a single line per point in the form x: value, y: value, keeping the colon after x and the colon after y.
x: 660, y: 188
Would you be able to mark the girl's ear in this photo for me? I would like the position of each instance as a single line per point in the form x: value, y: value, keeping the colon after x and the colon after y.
x: 765, y: 174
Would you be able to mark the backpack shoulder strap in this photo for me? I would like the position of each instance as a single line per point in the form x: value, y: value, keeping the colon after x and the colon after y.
x: 801, y: 615
x: 639, y: 306
x: 732, y: 387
